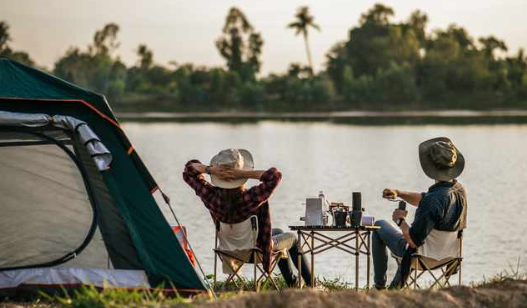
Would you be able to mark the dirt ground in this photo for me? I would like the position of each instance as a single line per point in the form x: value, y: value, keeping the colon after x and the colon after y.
x: 506, y: 294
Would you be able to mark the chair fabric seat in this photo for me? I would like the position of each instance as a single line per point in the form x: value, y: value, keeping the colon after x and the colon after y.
x: 237, y: 258
x: 431, y: 263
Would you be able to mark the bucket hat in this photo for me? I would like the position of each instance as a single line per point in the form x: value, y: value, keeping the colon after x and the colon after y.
x: 440, y: 159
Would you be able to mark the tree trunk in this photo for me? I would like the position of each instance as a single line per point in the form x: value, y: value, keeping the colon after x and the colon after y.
x: 308, y: 51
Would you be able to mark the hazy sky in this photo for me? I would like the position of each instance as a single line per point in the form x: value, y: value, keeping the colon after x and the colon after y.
x: 185, y: 30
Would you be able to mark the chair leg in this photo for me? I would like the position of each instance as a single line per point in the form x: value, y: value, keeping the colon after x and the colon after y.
x: 459, y: 273
x: 451, y: 270
x: 256, y: 280
x: 437, y: 281
x: 266, y: 278
x: 447, y: 276
x: 408, y: 284
x: 271, y: 273
x: 215, y: 279
x: 235, y: 273
x: 441, y: 281
x: 416, y: 266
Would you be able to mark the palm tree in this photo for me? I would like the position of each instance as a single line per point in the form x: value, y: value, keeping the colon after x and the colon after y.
x: 301, y: 25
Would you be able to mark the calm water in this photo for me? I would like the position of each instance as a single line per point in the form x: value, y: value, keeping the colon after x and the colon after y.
x: 339, y: 159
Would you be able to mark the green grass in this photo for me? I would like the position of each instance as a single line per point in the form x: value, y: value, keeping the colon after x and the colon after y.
x: 513, y: 273
x: 90, y: 297
x: 245, y: 284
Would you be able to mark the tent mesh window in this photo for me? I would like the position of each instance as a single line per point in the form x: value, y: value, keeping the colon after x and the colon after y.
x: 49, y: 209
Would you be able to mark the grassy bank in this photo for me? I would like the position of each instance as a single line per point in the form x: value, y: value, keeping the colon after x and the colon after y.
x: 504, y: 290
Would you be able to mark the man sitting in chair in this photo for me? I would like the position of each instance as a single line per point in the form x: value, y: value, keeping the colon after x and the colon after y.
x: 229, y: 202
x: 443, y: 207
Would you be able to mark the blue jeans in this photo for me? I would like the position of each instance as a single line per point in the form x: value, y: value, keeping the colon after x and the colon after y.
x: 289, y: 242
x: 386, y: 237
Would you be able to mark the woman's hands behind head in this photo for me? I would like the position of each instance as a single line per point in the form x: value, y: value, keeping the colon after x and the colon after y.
x: 227, y: 173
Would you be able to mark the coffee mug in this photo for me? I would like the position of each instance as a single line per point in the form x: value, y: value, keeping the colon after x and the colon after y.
x: 340, y: 218
x: 355, y: 218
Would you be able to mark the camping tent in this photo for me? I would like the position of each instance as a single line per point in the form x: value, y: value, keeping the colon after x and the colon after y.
x: 77, y: 204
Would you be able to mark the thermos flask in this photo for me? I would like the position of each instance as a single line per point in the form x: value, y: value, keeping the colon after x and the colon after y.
x: 356, y: 213
x: 402, y: 206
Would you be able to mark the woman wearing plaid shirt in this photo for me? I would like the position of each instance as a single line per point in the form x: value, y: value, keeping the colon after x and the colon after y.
x: 228, y: 201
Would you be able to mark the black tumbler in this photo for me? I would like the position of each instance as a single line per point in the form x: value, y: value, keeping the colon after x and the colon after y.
x: 356, y: 213
x: 356, y: 200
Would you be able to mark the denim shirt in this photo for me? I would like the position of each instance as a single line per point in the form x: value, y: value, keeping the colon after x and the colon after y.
x: 443, y: 207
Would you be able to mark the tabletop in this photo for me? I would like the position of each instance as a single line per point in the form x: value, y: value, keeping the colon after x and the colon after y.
x: 333, y: 228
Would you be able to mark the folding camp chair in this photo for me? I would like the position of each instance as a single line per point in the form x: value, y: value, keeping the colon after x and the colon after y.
x: 442, y: 251
x: 236, y: 246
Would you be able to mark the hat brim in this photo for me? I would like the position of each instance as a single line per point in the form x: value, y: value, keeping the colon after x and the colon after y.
x: 431, y: 170
x: 247, y: 165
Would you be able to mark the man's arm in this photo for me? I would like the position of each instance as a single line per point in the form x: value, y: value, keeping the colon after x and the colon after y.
x: 406, y: 232
x: 411, y: 197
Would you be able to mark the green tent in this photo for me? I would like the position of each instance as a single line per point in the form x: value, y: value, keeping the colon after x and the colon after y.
x: 76, y: 201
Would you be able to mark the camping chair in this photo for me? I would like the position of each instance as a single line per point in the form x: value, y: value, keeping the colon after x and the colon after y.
x: 236, y: 246
x: 442, y: 251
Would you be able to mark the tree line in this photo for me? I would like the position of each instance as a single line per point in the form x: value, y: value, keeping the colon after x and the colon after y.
x: 381, y: 64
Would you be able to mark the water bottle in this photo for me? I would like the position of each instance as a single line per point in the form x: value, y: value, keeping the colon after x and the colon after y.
x: 402, y: 206
x: 324, y: 208
x: 324, y: 201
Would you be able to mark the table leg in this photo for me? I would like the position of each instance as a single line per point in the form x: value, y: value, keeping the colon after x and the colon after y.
x: 299, y: 260
x: 368, y: 256
x: 312, y: 259
x: 357, y: 255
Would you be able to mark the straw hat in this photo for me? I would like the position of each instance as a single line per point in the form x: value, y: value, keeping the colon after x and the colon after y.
x: 235, y: 158
x: 440, y: 159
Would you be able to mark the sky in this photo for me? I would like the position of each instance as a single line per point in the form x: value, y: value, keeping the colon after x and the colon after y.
x: 185, y: 30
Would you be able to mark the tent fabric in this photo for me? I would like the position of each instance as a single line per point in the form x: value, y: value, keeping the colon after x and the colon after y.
x: 22, y: 82
x: 129, y: 183
x: 96, y: 148
x: 46, y: 213
x: 73, y: 276
x: 116, y: 236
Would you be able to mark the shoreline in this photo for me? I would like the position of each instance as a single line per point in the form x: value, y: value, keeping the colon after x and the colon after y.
x: 455, y: 117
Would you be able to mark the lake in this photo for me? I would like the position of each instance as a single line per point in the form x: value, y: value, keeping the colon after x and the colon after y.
x: 339, y: 159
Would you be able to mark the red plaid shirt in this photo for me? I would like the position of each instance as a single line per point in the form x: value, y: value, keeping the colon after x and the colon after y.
x: 254, y: 202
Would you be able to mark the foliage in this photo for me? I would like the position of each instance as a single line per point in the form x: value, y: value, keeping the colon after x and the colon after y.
x: 301, y: 26
x: 382, y: 65
x: 5, y: 49
x: 96, y: 68
x: 240, y: 45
